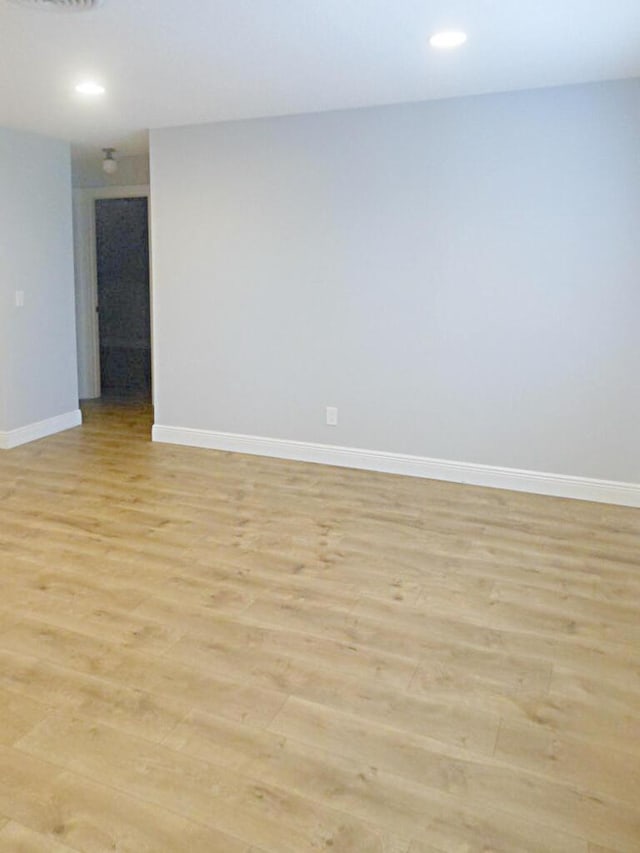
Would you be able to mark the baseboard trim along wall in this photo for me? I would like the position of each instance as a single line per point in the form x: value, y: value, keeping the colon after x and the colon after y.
x: 40, y: 429
x: 556, y: 485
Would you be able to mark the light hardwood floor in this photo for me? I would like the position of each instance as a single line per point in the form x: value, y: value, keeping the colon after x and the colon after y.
x: 211, y: 652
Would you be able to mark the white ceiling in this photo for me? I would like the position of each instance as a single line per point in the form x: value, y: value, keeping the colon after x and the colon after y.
x: 171, y: 62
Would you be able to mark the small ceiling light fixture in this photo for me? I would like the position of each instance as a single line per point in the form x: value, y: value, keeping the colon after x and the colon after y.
x: 448, y: 39
x: 90, y: 87
x: 109, y: 164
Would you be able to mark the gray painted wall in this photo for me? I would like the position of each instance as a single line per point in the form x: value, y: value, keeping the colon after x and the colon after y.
x: 38, y: 369
x: 460, y: 278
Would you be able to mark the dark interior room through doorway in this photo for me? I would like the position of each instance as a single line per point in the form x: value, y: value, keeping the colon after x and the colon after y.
x: 122, y: 253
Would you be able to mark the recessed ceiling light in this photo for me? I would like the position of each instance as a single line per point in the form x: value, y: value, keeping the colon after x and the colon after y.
x: 448, y: 39
x: 90, y: 87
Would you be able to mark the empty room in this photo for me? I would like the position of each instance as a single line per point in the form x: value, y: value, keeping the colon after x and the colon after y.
x: 320, y: 426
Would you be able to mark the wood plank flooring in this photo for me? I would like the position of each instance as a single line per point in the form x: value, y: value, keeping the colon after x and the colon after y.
x: 203, y: 651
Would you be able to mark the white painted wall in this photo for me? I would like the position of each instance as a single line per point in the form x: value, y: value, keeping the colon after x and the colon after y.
x: 38, y: 367
x: 460, y: 278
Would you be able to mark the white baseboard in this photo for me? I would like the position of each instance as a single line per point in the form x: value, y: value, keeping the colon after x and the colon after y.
x: 557, y: 485
x: 40, y: 429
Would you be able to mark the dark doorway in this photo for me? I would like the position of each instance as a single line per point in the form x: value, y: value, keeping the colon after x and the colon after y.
x: 122, y: 253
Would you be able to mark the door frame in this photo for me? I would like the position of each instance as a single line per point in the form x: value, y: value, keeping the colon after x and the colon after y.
x: 86, y: 281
